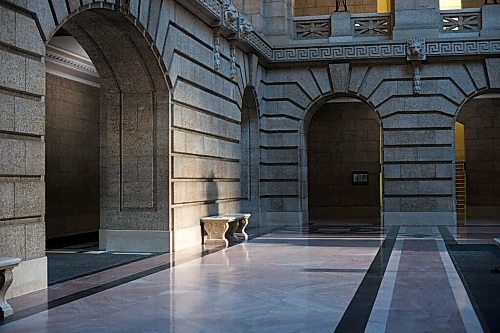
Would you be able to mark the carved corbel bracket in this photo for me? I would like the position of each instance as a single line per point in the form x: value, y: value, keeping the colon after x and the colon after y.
x: 245, y: 27
x: 415, y: 54
x: 233, y: 20
x: 230, y: 14
x: 216, y: 49
x: 232, y: 58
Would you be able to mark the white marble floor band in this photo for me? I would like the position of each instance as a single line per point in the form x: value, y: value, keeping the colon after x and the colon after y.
x: 382, y: 305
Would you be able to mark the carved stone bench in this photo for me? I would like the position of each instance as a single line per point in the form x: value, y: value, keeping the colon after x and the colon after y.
x: 6, y: 266
x: 221, y: 228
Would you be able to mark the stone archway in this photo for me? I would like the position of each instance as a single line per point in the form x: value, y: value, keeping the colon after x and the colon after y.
x: 341, y: 148
x: 131, y: 83
x: 134, y: 122
x: 477, y: 185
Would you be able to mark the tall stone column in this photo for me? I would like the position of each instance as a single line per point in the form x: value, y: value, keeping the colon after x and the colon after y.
x: 278, y: 20
x: 416, y: 19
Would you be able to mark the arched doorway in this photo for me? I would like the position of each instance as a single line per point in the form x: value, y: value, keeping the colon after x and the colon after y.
x: 477, y: 156
x: 116, y: 142
x: 343, y: 163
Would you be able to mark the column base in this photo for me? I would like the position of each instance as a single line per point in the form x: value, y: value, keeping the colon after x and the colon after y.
x: 134, y: 240
x: 419, y: 218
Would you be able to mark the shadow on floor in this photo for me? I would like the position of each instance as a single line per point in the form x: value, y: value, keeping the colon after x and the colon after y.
x: 67, y: 266
x: 476, y: 265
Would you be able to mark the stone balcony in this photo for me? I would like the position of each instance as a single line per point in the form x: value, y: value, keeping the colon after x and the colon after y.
x: 347, y: 27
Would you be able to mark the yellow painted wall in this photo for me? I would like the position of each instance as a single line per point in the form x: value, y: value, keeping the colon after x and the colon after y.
x: 383, y: 6
x: 326, y: 7
x: 459, y: 142
x: 458, y: 4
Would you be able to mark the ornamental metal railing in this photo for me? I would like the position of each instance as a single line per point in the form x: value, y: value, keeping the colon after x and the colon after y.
x: 461, y: 20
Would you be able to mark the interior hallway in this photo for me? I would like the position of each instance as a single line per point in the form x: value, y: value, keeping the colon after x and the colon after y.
x: 295, y: 279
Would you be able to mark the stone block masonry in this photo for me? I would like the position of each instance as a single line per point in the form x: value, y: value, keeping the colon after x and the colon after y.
x: 72, y: 157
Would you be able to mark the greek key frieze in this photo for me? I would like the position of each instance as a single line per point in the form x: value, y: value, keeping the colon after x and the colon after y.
x: 379, y: 51
x: 463, y: 48
x: 339, y: 52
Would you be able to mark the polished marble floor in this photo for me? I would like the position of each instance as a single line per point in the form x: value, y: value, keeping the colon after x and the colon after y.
x: 317, y: 278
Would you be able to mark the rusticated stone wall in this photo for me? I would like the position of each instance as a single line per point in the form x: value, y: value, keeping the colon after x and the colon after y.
x: 22, y: 147
x: 417, y: 133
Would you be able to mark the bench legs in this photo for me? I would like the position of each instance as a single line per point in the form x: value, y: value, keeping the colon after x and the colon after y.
x: 5, y: 282
x: 231, y: 233
x: 240, y: 230
x: 216, y: 232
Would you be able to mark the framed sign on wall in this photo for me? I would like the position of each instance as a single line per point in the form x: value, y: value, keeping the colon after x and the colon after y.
x: 360, y: 177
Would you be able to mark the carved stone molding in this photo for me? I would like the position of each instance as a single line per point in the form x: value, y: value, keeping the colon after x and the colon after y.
x: 220, y: 9
x: 416, y: 80
x: 467, y: 47
x: 382, y: 51
x: 217, y: 48
x: 245, y: 27
x: 415, y: 49
x: 71, y: 66
x: 339, y: 52
x: 231, y: 14
x: 232, y: 59
x: 355, y: 51
x: 416, y: 52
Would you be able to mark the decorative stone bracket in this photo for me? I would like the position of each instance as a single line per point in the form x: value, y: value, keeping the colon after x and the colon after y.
x: 416, y: 53
x: 234, y: 20
x: 216, y: 31
x: 234, y: 24
x: 232, y: 58
x: 6, y: 266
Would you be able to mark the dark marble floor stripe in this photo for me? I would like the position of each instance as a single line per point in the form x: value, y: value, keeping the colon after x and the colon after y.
x: 115, y: 283
x: 358, y: 312
x: 449, y: 241
x: 447, y: 236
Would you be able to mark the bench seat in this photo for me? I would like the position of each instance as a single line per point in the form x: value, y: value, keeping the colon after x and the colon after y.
x: 6, y: 266
x: 223, y: 228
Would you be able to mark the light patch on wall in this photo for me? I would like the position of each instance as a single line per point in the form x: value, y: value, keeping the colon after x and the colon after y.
x: 459, y: 142
x: 383, y: 6
x: 450, y: 4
